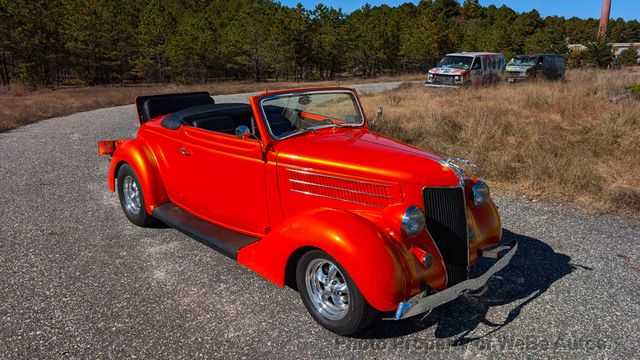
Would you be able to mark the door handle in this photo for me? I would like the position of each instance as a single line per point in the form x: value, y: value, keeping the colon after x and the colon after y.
x: 184, y: 151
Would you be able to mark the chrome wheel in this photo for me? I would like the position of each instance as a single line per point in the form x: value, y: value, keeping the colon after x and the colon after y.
x: 327, y: 289
x: 131, y: 194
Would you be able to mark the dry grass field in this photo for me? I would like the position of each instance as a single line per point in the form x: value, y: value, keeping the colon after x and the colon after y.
x: 558, y: 141
x: 20, y: 107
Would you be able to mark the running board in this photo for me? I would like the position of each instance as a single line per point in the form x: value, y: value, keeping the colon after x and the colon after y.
x: 225, y: 241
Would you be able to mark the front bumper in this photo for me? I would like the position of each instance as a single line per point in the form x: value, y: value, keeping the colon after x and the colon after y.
x: 432, y: 85
x: 422, y: 302
x: 516, y: 77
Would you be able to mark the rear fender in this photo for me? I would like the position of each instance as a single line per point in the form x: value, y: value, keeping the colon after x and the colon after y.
x: 374, y: 261
x: 144, y: 163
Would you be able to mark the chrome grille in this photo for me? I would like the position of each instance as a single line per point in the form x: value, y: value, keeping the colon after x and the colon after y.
x: 446, y: 221
x: 443, y: 79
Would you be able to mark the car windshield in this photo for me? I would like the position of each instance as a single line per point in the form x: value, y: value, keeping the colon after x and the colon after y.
x: 296, y: 113
x: 523, y: 60
x: 458, y: 62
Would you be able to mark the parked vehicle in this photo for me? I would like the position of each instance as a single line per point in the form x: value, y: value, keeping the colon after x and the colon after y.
x: 540, y: 66
x: 467, y: 68
x: 295, y: 186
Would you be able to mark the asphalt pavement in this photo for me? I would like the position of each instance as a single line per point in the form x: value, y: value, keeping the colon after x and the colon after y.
x: 77, y: 280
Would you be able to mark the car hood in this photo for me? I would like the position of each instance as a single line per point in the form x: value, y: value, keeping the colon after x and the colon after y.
x: 445, y: 70
x: 360, y: 152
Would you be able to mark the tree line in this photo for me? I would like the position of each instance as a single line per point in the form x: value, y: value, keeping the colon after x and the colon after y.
x: 95, y: 42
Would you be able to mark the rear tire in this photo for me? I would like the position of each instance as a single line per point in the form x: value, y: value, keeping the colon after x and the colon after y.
x: 132, y: 198
x: 331, y: 296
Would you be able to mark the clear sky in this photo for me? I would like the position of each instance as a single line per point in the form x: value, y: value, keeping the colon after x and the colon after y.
x: 626, y: 9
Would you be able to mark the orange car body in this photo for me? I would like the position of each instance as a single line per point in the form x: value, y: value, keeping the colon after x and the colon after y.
x: 341, y: 190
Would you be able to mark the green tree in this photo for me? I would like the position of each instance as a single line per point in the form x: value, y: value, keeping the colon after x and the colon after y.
x: 597, y: 53
x: 156, y: 26
x: 5, y: 42
x: 471, y: 9
x: 575, y: 58
x: 249, y: 40
x: 435, y: 33
x: 580, y: 31
x: 524, y: 26
x: 629, y: 57
x: 329, y: 39
x: 100, y: 36
x: 191, y: 47
x: 545, y: 41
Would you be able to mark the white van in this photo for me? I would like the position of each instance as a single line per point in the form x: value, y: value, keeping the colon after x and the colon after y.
x: 467, y: 68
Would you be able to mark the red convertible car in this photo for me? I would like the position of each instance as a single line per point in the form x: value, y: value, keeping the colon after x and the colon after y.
x: 295, y: 187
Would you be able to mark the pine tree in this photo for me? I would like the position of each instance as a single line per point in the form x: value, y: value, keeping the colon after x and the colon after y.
x: 629, y: 57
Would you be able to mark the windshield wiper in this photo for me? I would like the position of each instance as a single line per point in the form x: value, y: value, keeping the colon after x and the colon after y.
x: 323, y: 126
x: 332, y: 125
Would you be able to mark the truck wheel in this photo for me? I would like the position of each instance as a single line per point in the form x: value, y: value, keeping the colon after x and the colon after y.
x: 131, y: 197
x: 331, y: 296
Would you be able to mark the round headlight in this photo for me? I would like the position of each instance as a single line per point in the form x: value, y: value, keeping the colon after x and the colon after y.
x: 457, y: 78
x: 413, y: 221
x: 480, y: 192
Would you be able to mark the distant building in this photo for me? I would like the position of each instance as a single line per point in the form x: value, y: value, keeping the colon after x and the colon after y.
x: 617, y: 48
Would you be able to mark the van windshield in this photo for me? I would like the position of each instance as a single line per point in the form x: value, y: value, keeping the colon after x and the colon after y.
x: 458, y: 62
x: 523, y: 60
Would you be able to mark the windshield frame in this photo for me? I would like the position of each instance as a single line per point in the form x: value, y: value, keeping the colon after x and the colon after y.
x: 268, y: 97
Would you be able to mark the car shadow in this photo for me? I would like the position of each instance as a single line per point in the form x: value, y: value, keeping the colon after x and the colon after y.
x: 533, y: 269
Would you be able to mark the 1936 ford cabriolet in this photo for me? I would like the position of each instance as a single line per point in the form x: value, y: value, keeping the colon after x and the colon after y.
x: 295, y: 187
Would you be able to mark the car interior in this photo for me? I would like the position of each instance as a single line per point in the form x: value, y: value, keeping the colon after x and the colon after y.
x: 200, y: 111
x: 224, y: 118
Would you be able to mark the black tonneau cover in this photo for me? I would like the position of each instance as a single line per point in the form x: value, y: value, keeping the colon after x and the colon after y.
x: 149, y: 107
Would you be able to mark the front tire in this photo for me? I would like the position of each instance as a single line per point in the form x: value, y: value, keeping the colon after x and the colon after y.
x: 331, y: 296
x: 132, y: 198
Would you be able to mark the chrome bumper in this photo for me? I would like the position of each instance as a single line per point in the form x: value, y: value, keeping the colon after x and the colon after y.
x: 512, y: 78
x: 440, y: 85
x: 422, y: 303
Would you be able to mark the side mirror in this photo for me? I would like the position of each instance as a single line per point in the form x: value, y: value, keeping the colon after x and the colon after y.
x: 242, y: 132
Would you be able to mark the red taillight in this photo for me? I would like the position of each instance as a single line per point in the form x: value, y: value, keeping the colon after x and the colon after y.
x: 108, y: 147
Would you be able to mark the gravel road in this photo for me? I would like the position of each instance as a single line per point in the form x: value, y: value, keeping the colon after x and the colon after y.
x: 78, y: 280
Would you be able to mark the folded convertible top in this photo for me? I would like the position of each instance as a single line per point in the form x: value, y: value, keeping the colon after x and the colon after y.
x: 149, y: 107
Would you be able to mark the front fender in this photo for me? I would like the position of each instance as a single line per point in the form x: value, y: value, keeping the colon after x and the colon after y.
x: 144, y: 163
x: 374, y: 261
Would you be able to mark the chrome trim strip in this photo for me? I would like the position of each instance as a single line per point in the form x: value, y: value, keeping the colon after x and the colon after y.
x: 340, y: 189
x: 337, y: 178
x: 334, y: 198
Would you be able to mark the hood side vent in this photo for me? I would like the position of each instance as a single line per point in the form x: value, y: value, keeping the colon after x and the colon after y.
x: 338, y: 188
